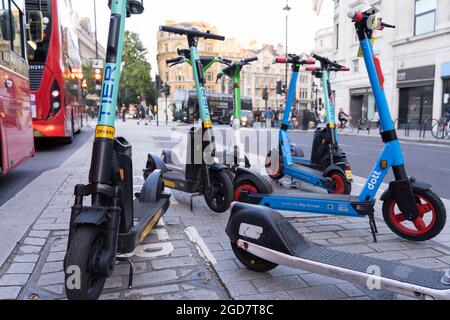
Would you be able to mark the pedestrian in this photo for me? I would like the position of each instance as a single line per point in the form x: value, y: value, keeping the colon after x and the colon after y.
x: 268, y: 115
x: 142, y: 114
x: 276, y: 118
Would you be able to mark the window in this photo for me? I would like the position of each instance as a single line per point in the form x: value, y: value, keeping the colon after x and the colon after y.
x: 425, y: 16
x: 356, y: 66
x: 337, y: 36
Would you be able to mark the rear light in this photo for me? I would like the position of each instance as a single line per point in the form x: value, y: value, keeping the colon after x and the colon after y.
x: 311, y: 69
x: 310, y: 62
x: 55, y: 93
x: 348, y: 167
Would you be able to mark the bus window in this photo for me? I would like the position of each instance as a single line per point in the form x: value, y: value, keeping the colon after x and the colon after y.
x: 18, y: 32
x: 5, y: 31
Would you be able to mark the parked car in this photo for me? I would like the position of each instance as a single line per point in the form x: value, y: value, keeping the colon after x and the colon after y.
x: 247, y: 119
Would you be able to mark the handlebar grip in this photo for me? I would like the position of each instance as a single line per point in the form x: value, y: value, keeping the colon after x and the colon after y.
x: 345, y: 69
x: 171, y: 29
x: 386, y: 25
x: 174, y: 60
x: 356, y: 16
x: 227, y: 60
x: 310, y: 62
x: 311, y: 69
x: 280, y: 60
x: 252, y: 59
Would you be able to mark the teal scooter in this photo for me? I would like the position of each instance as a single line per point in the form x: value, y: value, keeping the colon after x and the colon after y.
x: 116, y: 221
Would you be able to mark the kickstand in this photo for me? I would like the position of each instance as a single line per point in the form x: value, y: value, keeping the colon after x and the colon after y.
x: 192, y: 198
x: 373, y: 228
x: 131, y: 274
x: 293, y: 184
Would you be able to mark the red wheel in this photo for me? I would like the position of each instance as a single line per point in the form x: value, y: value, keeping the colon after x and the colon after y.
x: 431, y: 220
x: 243, y: 186
x: 342, y: 184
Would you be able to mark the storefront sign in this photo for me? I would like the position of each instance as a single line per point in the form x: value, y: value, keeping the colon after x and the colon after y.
x: 416, y: 77
x: 360, y: 91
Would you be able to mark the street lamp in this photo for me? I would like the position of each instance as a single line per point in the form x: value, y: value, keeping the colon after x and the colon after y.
x: 287, y: 9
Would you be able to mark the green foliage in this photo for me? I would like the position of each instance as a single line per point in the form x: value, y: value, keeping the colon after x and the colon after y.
x: 89, y: 76
x: 136, y: 79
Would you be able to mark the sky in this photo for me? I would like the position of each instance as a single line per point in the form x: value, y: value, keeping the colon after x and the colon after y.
x: 244, y: 20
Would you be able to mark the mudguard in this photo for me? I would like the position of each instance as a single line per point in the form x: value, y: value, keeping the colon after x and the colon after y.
x: 335, y: 167
x: 264, y: 187
x: 217, y: 167
x: 92, y: 215
x: 416, y: 185
x: 154, y: 163
x: 153, y: 187
x: 258, y: 225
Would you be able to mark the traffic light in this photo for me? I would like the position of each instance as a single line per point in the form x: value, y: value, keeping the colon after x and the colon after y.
x: 98, y: 75
x: 280, y: 87
x: 166, y: 90
x: 158, y: 83
x: 265, y: 94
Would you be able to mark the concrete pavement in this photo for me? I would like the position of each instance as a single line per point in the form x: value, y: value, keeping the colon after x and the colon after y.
x: 188, y: 256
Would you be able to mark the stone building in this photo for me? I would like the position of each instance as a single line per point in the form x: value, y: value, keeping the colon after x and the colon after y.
x: 415, y: 58
x: 255, y: 77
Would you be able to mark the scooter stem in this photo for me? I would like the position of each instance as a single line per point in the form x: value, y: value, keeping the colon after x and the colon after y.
x: 101, y: 165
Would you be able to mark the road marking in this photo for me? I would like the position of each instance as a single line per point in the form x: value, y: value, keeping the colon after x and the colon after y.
x: 438, y: 168
x: 202, y: 248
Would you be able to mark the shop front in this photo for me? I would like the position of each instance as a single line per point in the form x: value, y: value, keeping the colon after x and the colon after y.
x: 362, y: 105
x: 416, y: 89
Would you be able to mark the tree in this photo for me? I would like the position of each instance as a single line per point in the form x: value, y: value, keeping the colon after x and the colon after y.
x: 136, y: 74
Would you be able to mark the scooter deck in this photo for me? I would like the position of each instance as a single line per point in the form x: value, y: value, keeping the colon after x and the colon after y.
x: 393, y: 270
x: 146, y: 215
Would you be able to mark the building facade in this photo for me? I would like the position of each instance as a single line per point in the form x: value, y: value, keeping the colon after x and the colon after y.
x: 415, y: 58
x: 86, y: 40
x: 254, y: 78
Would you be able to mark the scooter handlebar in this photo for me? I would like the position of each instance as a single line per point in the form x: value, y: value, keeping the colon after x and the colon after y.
x: 175, y: 60
x: 191, y: 32
x: 252, y: 59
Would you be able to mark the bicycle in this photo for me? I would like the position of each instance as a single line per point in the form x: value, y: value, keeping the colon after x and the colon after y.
x: 347, y: 128
x: 440, y: 129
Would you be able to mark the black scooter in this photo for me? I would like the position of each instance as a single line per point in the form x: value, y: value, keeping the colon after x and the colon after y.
x: 201, y: 174
x: 116, y: 221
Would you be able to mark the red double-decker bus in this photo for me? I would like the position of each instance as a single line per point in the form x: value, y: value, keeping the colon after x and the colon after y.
x: 55, y: 73
x: 16, y: 129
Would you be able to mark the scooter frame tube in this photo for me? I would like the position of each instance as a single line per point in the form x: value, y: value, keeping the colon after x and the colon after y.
x: 361, y: 278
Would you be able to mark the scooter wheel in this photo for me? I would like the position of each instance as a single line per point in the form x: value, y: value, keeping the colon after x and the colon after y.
x: 219, y: 199
x: 251, y: 261
x: 243, y: 185
x: 274, y: 171
x: 343, y: 186
x: 428, y: 225
x: 84, y: 250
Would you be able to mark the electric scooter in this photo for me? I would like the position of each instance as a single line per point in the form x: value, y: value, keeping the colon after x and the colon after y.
x: 237, y: 157
x: 280, y: 163
x: 410, y: 208
x: 325, y: 148
x: 262, y: 239
x: 202, y: 174
x: 116, y: 221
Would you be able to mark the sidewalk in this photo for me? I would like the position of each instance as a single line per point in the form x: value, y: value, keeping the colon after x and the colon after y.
x: 188, y: 256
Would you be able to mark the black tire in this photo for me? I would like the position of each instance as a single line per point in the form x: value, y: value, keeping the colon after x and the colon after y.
x: 69, y: 140
x: 251, y: 261
x: 219, y: 199
x: 278, y: 175
x: 86, y: 245
x: 438, y: 210
x: 343, y: 186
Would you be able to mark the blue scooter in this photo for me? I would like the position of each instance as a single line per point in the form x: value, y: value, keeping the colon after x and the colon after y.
x: 335, y: 177
x: 262, y: 239
x: 410, y: 208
